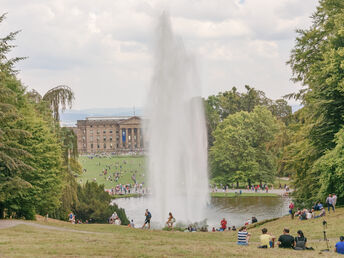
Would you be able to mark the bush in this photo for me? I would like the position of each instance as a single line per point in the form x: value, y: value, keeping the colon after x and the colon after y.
x: 94, y: 205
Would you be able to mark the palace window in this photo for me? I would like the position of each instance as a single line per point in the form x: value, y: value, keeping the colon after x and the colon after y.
x: 104, y: 138
x: 91, y: 131
x: 98, y: 132
x: 91, y: 138
x: 91, y: 145
x: 110, y: 145
x: 104, y: 132
x: 91, y: 126
x: 84, y: 145
x: 84, y: 131
x: 110, y: 138
x: 104, y: 145
x: 98, y: 146
x: 98, y: 138
x: 110, y: 131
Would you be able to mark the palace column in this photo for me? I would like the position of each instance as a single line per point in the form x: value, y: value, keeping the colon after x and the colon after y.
x: 138, y: 139
x: 126, y: 138
x: 132, y: 138
x: 120, y: 138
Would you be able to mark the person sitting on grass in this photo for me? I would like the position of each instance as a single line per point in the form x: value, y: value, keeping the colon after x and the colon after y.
x: 266, y: 240
x: 339, y: 247
x: 243, y: 236
x: 285, y: 240
x: 223, y: 224
x: 233, y: 228
x: 300, y: 241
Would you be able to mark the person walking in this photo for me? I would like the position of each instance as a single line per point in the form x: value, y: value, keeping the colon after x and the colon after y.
x: 170, y: 220
x: 148, y: 219
x: 334, y: 199
x: 329, y: 202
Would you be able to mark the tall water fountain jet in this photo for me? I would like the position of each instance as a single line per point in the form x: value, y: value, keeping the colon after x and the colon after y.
x: 176, y: 132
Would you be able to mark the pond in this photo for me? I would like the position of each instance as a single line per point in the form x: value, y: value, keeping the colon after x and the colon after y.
x: 236, y: 210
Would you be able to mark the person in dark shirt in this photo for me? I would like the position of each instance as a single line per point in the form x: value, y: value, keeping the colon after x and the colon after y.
x: 300, y: 241
x: 285, y: 240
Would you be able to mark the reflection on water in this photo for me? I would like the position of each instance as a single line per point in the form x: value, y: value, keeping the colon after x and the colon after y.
x: 236, y: 210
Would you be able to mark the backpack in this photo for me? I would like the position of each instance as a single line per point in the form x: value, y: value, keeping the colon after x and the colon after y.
x: 300, y: 244
x: 149, y: 215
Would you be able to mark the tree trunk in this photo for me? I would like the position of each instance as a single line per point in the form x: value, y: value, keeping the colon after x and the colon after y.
x: 237, y: 183
x: 249, y: 183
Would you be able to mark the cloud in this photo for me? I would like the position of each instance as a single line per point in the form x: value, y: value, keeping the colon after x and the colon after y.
x: 103, y: 49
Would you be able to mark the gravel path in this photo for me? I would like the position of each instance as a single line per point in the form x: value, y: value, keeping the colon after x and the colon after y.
x: 12, y: 223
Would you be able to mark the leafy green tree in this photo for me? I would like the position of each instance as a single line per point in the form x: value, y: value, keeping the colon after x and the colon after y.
x: 33, y: 169
x: 94, y: 205
x: 240, y: 152
x: 317, y: 62
x: 220, y: 106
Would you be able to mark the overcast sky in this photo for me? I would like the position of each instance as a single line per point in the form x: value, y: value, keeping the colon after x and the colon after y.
x: 103, y: 49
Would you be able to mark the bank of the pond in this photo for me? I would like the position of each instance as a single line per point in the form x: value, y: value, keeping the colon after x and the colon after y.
x: 134, y: 195
x: 90, y: 240
x: 230, y: 195
x: 217, y: 194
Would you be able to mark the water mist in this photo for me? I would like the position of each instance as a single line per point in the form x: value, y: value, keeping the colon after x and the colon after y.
x: 176, y: 132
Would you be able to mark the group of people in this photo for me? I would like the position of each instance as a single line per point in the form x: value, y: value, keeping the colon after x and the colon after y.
x: 223, y: 224
x: 267, y: 240
x: 114, y: 171
x: 306, y: 214
x: 285, y: 240
x: 114, y: 219
x: 73, y: 220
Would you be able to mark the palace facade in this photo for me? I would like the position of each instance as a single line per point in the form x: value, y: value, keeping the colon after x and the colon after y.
x: 110, y: 134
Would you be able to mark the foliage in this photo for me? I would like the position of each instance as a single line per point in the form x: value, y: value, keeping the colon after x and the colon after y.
x: 240, y: 152
x: 220, y: 106
x: 37, y: 157
x: 93, y: 204
x: 58, y: 98
x: 317, y: 62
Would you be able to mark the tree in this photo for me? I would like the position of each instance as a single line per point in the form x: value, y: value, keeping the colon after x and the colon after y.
x: 94, y: 204
x: 240, y: 150
x: 317, y: 62
x: 220, y: 106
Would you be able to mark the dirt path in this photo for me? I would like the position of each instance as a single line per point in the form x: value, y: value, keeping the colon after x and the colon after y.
x: 12, y: 223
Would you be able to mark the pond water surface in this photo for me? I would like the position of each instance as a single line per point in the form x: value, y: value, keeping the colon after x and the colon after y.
x: 236, y: 210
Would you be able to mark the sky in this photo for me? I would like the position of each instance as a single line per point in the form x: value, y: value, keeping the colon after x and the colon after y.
x: 103, y: 49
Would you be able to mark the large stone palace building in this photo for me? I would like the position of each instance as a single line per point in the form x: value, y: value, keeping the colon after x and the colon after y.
x: 109, y: 134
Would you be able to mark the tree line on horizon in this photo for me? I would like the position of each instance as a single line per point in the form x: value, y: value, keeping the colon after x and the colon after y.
x: 253, y: 139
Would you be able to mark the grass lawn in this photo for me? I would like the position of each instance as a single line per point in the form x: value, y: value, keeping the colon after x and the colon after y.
x: 125, y: 165
x: 120, y: 241
x: 242, y: 195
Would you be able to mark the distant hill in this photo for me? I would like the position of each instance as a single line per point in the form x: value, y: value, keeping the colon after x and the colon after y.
x: 69, y: 117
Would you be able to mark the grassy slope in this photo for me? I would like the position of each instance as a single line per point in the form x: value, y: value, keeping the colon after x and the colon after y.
x: 109, y: 240
x: 93, y: 169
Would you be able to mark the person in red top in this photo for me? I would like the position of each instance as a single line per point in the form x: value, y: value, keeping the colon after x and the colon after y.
x: 291, y: 212
x: 223, y: 224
